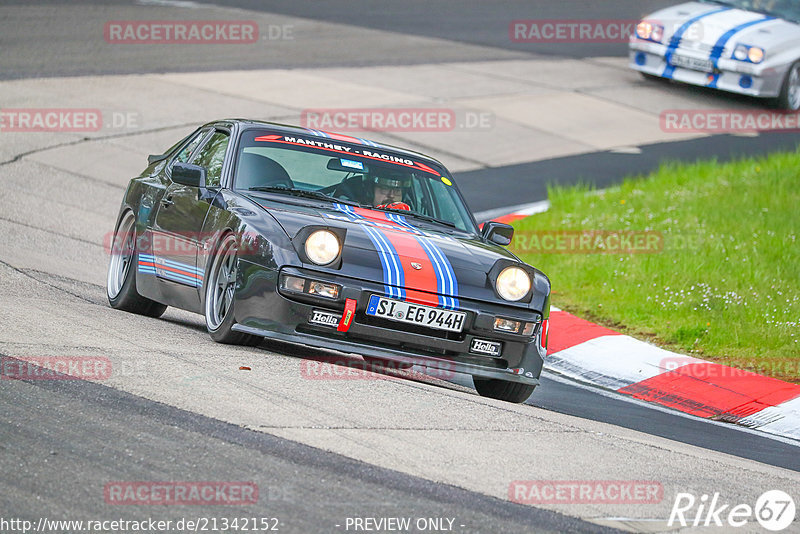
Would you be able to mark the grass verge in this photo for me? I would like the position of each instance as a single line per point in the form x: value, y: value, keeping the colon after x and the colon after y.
x: 701, y: 258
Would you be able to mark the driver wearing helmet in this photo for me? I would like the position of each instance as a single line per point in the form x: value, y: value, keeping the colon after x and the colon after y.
x: 388, y: 190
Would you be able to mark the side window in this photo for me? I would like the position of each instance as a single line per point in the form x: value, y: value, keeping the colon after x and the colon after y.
x: 183, y: 155
x: 211, y: 156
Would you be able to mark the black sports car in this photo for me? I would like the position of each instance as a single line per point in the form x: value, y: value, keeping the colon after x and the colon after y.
x: 331, y: 241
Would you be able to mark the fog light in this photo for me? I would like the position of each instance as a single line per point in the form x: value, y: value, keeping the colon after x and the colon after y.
x: 296, y: 284
x: 293, y: 283
x: 330, y: 291
x: 641, y: 59
x: 506, y: 325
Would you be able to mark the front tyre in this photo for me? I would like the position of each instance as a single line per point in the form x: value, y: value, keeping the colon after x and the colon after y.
x: 220, y: 286
x: 789, y: 98
x: 121, y: 281
x: 503, y: 390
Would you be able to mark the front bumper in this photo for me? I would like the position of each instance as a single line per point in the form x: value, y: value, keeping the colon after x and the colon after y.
x: 261, y: 309
x: 763, y: 81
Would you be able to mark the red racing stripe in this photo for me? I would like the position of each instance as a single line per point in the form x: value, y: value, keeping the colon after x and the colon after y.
x: 711, y: 389
x: 424, y: 280
x: 566, y: 331
x: 158, y: 265
x: 422, y: 285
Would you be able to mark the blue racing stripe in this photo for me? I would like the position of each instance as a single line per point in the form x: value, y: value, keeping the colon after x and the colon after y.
x: 393, y: 279
x: 445, y: 276
x: 675, y: 41
x: 169, y: 263
x: 719, y: 48
x: 390, y: 278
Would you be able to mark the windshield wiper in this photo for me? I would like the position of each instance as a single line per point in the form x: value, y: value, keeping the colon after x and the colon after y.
x: 280, y: 189
x: 419, y: 216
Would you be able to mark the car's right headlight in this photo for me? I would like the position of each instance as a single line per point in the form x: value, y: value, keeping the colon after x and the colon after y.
x: 322, y: 247
x: 513, y: 283
x: 650, y: 32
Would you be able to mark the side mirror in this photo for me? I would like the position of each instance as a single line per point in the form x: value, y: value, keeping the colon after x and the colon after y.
x: 498, y: 233
x: 188, y: 174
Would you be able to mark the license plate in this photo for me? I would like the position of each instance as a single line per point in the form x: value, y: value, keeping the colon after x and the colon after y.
x: 703, y: 65
x: 406, y: 312
x: 324, y: 318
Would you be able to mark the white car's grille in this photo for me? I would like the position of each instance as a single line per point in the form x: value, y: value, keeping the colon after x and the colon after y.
x: 696, y: 46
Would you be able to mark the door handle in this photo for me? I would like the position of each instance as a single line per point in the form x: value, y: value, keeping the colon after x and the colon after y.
x: 167, y: 201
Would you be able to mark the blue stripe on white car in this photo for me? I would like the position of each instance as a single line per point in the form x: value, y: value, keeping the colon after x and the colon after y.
x: 719, y: 47
x: 675, y: 41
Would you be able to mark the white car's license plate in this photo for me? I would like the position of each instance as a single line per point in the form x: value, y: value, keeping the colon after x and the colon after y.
x: 406, y: 312
x: 693, y: 63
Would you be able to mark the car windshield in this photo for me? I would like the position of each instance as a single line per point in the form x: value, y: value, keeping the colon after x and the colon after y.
x: 785, y: 9
x: 347, y: 170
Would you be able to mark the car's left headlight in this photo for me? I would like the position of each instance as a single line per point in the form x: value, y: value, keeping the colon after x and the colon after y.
x: 513, y: 283
x: 753, y: 54
x: 322, y: 247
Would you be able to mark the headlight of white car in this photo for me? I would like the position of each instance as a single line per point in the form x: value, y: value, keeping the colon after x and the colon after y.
x: 753, y: 54
x: 513, y: 283
x: 649, y: 31
x: 322, y: 247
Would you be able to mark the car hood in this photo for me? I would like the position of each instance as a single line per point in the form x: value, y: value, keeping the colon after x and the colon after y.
x: 375, y: 242
x: 730, y: 25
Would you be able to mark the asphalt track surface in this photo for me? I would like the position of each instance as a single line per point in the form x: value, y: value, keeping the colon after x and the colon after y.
x: 62, y: 47
x: 59, y: 436
x: 89, y: 430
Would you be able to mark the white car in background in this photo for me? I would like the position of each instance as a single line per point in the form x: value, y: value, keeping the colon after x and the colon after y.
x: 750, y: 47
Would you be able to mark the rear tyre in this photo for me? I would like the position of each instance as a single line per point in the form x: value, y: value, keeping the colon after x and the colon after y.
x: 789, y: 99
x: 121, y: 281
x: 220, y: 285
x: 502, y: 389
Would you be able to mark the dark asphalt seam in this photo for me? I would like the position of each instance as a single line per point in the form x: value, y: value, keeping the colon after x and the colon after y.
x: 18, y: 157
x: 45, y: 230
x: 24, y: 273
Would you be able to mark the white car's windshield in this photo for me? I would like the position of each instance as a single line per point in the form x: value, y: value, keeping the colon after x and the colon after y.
x: 785, y: 9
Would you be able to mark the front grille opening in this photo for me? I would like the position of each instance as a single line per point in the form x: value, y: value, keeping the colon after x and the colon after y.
x: 381, y: 322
